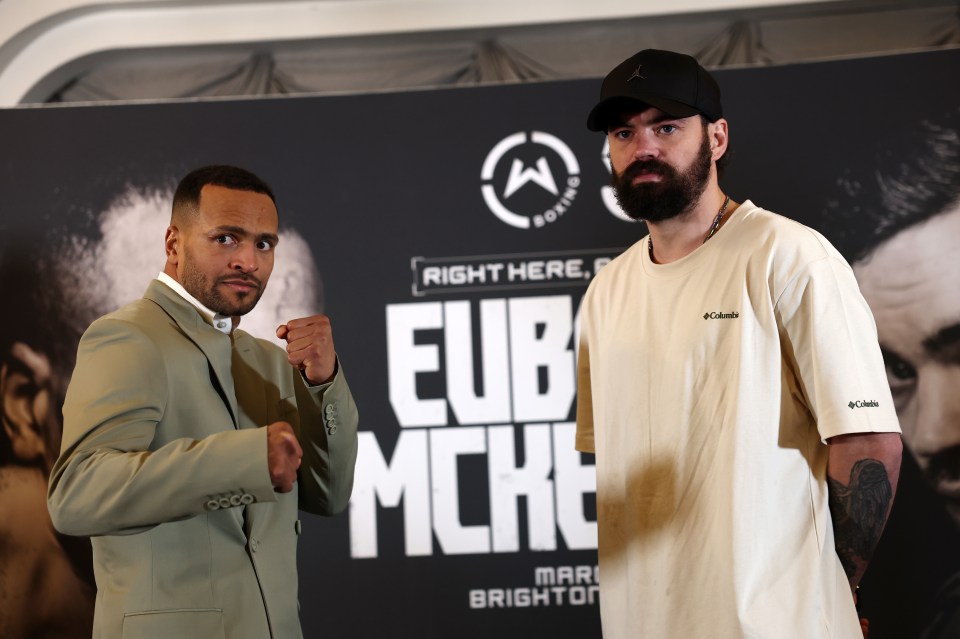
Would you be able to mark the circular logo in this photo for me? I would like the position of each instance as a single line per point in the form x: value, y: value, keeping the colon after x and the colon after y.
x: 520, y: 182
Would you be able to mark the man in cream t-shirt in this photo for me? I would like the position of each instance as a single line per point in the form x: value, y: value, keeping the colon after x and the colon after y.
x: 732, y: 388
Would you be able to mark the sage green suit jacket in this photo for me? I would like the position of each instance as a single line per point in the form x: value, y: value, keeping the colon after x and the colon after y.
x: 164, y: 464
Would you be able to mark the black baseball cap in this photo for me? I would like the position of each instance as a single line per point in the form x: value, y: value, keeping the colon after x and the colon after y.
x: 675, y: 83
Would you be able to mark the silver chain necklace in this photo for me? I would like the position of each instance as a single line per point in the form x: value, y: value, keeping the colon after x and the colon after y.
x: 713, y: 227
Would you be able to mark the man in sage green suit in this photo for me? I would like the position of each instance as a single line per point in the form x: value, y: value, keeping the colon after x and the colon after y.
x: 189, y: 445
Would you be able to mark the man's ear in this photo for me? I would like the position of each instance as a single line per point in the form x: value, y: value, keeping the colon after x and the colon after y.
x: 171, y: 243
x: 26, y: 404
x: 719, y: 139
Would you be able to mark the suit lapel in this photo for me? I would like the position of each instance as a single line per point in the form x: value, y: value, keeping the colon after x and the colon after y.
x: 216, y: 346
x: 248, y: 383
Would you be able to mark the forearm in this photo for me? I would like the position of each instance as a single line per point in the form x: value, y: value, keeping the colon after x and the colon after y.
x: 862, y: 474
x: 99, y: 490
x: 328, y: 435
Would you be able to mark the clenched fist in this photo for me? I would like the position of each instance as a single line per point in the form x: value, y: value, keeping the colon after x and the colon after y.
x: 310, y: 347
x: 283, y: 456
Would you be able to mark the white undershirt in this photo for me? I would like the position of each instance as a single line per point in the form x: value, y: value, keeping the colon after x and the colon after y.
x: 223, y: 323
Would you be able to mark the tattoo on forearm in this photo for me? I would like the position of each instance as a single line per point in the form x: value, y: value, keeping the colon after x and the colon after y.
x: 859, y: 512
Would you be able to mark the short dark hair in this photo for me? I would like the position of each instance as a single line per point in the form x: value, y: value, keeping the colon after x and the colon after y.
x: 915, y: 177
x: 186, y: 199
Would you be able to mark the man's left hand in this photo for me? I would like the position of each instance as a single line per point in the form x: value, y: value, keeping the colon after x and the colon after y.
x: 310, y: 347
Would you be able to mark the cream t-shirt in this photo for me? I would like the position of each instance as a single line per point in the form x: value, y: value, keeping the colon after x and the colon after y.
x: 707, y: 388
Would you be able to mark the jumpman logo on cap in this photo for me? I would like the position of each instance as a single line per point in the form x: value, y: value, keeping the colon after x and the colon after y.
x: 636, y: 74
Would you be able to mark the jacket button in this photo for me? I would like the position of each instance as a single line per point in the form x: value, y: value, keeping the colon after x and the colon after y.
x: 235, y: 500
x: 247, y: 498
x: 213, y: 504
x: 224, y: 502
x: 331, y: 430
x: 254, y: 544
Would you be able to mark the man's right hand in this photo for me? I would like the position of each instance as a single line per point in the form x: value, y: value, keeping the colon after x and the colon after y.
x: 283, y: 456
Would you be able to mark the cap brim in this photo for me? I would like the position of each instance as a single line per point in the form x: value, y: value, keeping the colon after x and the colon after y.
x: 600, y: 115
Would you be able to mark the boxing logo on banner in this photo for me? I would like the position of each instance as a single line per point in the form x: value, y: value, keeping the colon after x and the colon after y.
x: 528, y: 194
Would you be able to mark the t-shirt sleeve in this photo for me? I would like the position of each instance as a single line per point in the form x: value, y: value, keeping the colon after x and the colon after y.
x: 829, y: 338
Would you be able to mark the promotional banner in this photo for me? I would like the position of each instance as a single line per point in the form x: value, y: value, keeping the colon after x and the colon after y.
x: 450, y: 235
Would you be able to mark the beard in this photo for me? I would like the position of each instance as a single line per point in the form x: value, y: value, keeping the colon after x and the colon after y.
x: 677, y: 192
x: 208, y: 293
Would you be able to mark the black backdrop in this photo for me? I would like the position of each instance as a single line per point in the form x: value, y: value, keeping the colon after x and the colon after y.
x: 374, y: 181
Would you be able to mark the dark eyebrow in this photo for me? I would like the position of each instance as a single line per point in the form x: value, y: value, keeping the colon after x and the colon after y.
x: 945, y: 344
x: 889, y: 355
x: 242, y: 232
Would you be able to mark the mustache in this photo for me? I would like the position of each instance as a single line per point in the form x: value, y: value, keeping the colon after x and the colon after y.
x: 640, y: 167
x: 240, y: 278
